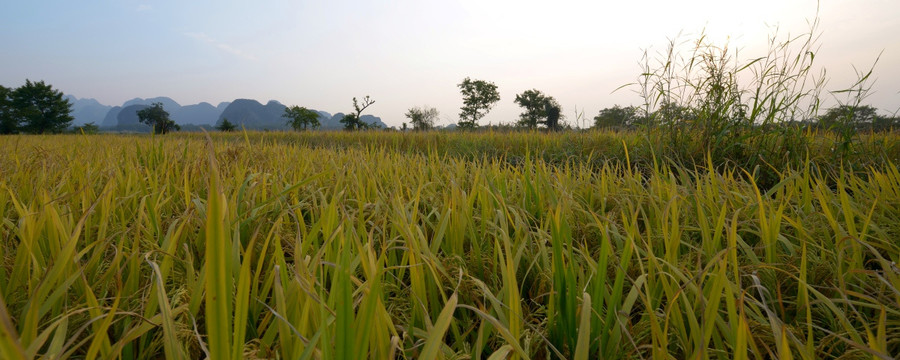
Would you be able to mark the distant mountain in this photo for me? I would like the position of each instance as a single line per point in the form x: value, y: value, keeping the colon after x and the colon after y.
x: 199, y: 114
x: 112, y: 117
x: 87, y: 110
x: 251, y: 114
x: 128, y: 119
x: 333, y: 122
x: 372, y: 120
x: 254, y: 115
x: 247, y: 112
x: 167, y: 103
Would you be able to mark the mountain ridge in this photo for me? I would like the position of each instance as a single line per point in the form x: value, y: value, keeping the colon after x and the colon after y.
x: 252, y: 114
x: 249, y: 113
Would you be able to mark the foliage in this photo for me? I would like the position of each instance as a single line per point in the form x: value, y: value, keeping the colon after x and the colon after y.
x: 554, y: 115
x: 35, y: 108
x: 351, y: 122
x: 479, y: 97
x: 617, y: 117
x: 300, y: 117
x: 884, y: 123
x: 226, y: 126
x: 157, y: 118
x: 848, y: 115
x: 422, y: 118
x: 538, y: 108
x: 439, y: 245
x: 862, y: 117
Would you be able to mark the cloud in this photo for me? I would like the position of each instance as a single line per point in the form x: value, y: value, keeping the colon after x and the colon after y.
x: 220, y: 45
x: 144, y: 7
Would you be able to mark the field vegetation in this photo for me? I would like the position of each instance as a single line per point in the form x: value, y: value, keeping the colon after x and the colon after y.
x: 441, y: 245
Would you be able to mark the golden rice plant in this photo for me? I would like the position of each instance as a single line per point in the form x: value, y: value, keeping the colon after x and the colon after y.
x: 440, y: 245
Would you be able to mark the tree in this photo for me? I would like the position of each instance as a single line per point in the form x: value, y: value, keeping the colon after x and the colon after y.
x: 157, y: 118
x: 849, y: 116
x: 884, y: 123
x: 479, y: 97
x: 352, y: 121
x: 9, y: 124
x: 538, y: 108
x: 533, y: 103
x: 226, y: 126
x: 671, y: 113
x: 300, y: 117
x: 422, y: 118
x: 616, y: 116
x: 38, y: 109
x: 554, y: 113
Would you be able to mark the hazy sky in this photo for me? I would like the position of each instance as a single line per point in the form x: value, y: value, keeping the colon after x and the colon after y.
x: 320, y: 54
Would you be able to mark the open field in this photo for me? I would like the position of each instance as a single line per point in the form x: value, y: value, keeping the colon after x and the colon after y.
x: 440, y: 245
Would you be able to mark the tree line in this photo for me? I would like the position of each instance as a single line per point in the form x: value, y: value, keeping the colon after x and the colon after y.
x: 540, y: 110
x: 479, y: 97
x: 854, y: 117
x: 37, y: 108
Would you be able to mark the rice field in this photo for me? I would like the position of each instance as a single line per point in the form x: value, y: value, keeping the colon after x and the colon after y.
x: 441, y: 246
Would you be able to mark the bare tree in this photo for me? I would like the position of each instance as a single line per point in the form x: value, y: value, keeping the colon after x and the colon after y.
x: 352, y: 121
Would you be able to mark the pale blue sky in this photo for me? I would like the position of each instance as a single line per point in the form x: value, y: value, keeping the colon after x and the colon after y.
x: 406, y: 53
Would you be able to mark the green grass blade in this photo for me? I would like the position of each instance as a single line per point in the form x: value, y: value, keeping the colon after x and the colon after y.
x: 436, y: 334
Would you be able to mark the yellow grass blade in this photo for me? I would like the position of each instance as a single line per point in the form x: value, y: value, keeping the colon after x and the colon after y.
x: 584, y: 329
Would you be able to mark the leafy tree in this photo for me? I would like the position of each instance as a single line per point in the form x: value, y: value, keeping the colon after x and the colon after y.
x: 226, y: 126
x: 39, y: 109
x: 538, y: 109
x: 616, y: 116
x: 554, y: 113
x: 848, y: 116
x: 884, y: 123
x: 157, y: 118
x: 352, y: 121
x: 300, y: 117
x: 89, y: 128
x: 479, y: 97
x: 422, y: 118
x: 9, y: 124
x: 670, y: 113
x: 533, y: 103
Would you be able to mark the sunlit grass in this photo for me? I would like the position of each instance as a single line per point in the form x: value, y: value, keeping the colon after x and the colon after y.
x: 441, y: 245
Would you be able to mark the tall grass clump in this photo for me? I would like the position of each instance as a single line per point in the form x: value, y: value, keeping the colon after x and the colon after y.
x: 701, y: 99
